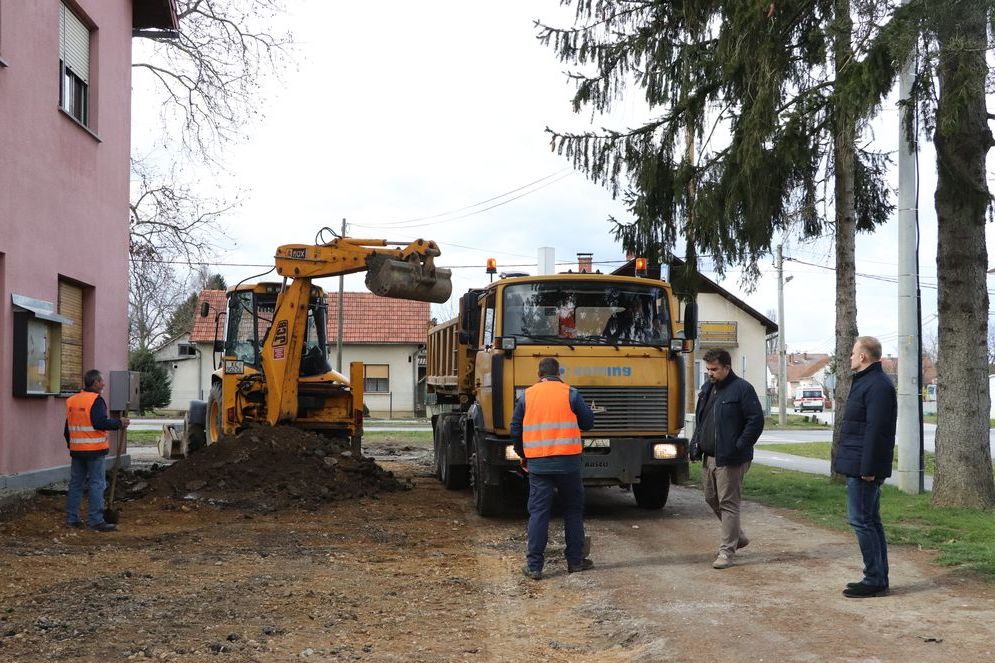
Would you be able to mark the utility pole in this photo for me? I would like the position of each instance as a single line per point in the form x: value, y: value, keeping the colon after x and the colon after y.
x: 908, y: 431
x: 338, y: 340
x: 782, y: 368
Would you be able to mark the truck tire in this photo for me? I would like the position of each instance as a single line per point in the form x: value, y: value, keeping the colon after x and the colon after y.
x: 652, y: 492
x: 454, y: 476
x: 436, y: 449
x: 489, y: 500
x: 214, y: 408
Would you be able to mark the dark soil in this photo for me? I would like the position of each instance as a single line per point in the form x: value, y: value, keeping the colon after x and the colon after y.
x: 269, y: 468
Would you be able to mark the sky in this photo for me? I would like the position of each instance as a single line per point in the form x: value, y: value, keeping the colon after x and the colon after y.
x: 427, y: 120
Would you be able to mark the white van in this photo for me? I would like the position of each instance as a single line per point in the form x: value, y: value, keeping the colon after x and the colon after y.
x: 810, y: 399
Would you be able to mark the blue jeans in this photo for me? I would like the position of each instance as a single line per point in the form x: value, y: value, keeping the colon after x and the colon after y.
x: 863, y: 509
x: 81, y: 471
x: 570, y: 489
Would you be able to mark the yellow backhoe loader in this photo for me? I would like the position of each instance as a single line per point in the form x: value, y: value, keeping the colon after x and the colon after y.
x: 274, y: 367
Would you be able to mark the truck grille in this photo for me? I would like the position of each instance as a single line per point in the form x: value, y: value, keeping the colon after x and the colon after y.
x: 628, y: 408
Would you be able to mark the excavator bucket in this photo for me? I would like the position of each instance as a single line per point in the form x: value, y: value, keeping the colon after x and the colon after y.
x: 408, y: 279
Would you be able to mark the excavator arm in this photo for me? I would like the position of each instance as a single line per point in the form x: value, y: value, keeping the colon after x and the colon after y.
x: 402, y: 273
x: 405, y: 272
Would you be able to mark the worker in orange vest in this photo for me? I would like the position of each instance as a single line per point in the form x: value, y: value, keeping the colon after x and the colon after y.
x: 545, y: 429
x: 87, y: 424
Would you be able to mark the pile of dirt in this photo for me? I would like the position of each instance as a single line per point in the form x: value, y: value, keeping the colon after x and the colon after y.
x: 270, y: 468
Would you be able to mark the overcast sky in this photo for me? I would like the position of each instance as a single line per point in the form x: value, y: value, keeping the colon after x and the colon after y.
x: 397, y: 110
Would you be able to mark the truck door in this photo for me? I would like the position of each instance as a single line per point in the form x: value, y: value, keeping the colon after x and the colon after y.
x: 487, y: 384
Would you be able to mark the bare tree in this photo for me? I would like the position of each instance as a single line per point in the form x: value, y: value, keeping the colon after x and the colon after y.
x: 154, y: 292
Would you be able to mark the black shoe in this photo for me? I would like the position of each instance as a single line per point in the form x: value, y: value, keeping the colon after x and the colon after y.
x: 862, y: 591
x: 75, y: 525
x: 530, y: 573
x: 585, y: 565
x: 104, y: 527
x: 850, y: 585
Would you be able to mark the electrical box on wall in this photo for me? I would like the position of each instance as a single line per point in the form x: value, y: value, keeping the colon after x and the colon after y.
x: 124, y: 391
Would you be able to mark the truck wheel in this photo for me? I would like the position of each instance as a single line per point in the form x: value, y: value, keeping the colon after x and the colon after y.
x: 436, y: 449
x: 214, y: 407
x: 453, y: 476
x: 488, y: 499
x: 652, y: 491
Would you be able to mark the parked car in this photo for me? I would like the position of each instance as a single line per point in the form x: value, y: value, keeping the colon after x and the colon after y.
x: 811, y: 399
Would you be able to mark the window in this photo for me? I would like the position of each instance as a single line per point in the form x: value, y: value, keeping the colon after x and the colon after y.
x: 71, y: 307
x: 74, y: 65
x: 186, y: 350
x: 376, y: 378
x: 2, y: 63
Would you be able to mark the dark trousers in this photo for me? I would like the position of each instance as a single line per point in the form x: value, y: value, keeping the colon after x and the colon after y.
x: 570, y: 489
x: 863, y: 508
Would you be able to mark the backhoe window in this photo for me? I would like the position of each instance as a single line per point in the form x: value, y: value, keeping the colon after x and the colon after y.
x: 586, y: 314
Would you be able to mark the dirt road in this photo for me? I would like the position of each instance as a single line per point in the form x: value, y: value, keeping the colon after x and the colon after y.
x: 417, y: 576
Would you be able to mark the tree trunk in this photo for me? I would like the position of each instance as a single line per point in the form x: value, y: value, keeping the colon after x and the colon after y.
x: 962, y: 138
x: 846, y: 231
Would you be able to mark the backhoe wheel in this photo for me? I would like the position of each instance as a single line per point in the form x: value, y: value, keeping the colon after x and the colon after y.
x: 652, y: 491
x: 488, y: 499
x: 214, y: 413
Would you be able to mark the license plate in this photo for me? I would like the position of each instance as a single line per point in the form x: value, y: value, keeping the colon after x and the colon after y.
x: 598, y: 442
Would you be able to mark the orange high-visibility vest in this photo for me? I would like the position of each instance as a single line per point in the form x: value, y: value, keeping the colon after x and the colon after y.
x: 82, y: 435
x: 550, y: 426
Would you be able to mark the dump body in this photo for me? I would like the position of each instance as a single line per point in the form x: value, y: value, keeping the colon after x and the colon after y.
x: 618, y: 342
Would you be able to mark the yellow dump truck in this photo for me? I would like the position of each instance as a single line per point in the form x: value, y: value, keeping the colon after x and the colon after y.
x: 618, y: 341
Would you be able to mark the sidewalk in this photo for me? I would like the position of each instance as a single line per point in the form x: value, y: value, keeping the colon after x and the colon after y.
x: 810, y: 465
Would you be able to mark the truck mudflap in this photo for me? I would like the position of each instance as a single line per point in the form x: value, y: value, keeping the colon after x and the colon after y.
x: 626, y: 459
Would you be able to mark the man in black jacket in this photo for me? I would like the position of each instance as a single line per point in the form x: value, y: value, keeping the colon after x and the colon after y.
x: 867, y: 444
x: 729, y: 420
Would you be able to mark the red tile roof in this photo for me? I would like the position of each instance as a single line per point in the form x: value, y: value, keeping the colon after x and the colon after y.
x: 367, y: 318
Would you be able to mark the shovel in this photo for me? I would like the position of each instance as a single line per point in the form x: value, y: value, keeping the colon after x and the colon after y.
x: 112, y: 515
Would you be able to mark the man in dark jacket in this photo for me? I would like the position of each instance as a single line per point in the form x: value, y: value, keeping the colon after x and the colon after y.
x: 867, y: 444
x: 86, y: 429
x: 545, y: 429
x: 729, y: 420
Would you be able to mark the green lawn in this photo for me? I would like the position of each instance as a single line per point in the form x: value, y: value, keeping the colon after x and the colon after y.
x: 794, y: 421
x: 964, y: 538
x: 822, y: 450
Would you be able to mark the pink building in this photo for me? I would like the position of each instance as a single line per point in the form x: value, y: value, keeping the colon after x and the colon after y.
x: 65, y: 121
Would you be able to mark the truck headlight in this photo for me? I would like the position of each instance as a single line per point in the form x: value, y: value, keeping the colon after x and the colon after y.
x: 509, y: 453
x: 661, y: 451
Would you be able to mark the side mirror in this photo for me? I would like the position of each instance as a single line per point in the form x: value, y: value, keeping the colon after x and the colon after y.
x: 691, y: 320
x: 205, y: 308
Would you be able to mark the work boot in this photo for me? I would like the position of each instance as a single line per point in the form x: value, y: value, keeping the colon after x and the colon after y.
x: 532, y: 574
x: 585, y: 565
x: 104, y: 527
x: 722, y: 561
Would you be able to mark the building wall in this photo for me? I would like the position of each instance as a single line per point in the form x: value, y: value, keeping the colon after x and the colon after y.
x: 749, y: 357
x: 63, y: 205
x: 402, y: 359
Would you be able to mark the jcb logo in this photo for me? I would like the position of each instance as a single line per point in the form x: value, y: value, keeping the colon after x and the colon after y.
x: 280, y: 335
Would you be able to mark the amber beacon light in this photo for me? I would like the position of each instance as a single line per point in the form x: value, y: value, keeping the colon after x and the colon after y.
x: 640, y: 266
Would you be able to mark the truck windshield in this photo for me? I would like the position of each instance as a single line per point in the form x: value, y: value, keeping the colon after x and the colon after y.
x: 578, y: 313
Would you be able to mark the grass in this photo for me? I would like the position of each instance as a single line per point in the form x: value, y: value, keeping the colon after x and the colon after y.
x: 794, y: 422
x: 821, y: 450
x: 964, y: 538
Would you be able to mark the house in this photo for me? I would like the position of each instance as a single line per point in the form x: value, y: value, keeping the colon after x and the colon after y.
x: 803, y: 369
x: 65, y: 100
x: 724, y: 321
x: 387, y: 335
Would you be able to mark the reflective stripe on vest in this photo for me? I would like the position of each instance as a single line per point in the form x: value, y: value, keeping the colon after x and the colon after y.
x: 82, y: 435
x: 550, y: 426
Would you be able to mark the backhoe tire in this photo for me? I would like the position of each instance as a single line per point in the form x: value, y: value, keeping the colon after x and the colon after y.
x: 214, y: 415
x: 652, y: 492
x: 489, y: 500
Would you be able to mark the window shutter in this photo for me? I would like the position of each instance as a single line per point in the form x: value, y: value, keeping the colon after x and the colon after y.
x: 377, y: 371
x: 71, y: 306
x: 74, y: 38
